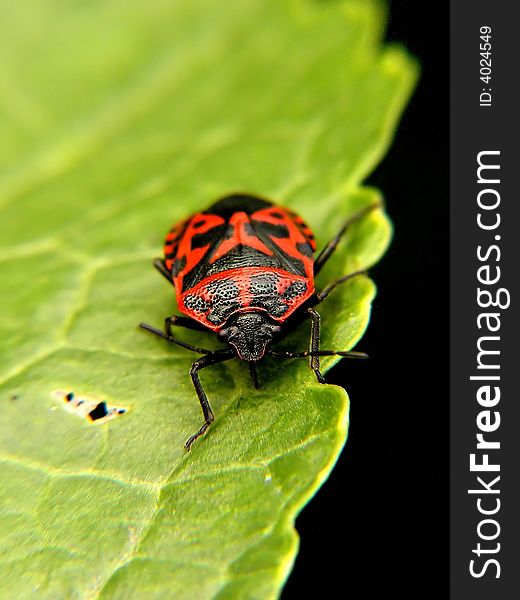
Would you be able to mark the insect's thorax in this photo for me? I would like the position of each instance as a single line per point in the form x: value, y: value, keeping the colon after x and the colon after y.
x: 247, y: 289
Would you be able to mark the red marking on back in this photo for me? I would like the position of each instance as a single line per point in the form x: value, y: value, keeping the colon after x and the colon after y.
x: 296, y: 235
x: 183, y: 249
x: 239, y: 221
x: 178, y: 246
x: 242, y: 279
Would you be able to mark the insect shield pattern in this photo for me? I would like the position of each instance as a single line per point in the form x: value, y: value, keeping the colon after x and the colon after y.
x: 215, y: 299
x: 244, y: 269
x: 243, y: 253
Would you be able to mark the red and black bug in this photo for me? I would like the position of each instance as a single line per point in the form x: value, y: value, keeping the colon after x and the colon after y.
x: 245, y: 270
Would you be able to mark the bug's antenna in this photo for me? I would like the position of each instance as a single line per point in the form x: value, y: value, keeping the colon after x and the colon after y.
x: 253, y: 374
x: 172, y: 340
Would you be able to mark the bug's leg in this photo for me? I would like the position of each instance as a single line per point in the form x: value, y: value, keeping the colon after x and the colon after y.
x: 176, y: 321
x: 169, y: 338
x: 160, y: 265
x: 320, y: 296
x: 325, y: 254
x: 315, y: 344
x: 202, y: 363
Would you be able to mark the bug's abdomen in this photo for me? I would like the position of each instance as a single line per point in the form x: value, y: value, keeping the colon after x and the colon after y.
x: 273, y: 291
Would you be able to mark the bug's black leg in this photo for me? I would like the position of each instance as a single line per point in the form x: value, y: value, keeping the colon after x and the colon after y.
x: 202, y: 363
x: 315, y: 343
x: 176, y: 321
x: 169, y: 338
x: 325, y: 254
x: 320, y: 296
x: 159, y: 264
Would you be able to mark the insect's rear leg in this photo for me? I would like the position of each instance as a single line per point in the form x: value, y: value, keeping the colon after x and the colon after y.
x: 326, y: 253
x: 202, y: 363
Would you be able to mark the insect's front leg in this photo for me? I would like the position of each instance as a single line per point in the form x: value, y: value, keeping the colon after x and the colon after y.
x: 202, y: 363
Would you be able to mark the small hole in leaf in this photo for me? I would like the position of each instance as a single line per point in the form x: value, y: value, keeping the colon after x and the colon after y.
x: 94, y: 410
x: 99, y: 412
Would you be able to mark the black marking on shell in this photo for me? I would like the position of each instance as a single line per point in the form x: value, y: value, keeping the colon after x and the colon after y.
x: 249, y: 229
x: 283, y: 260
x: 172, y: 253
x: 264, y: 284
x: 227, y: 206
x: 230, y: 231
x: 178, y: 265
x: 239, y: 257
x: 224, y: 293
x: 272, y: 304
x: 276, y: 214
x: 275, y: 231
x: 297, y: 288
x: 196, y: 303
x: 199, y: 240
x: 304, y: 248
x: 222, y: 290
x: 220, y: 313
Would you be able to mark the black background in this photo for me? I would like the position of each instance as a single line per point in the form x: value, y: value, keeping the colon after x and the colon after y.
x: 475, y: 129
x: 380, y: 524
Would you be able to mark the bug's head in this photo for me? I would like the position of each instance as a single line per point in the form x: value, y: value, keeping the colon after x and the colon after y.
x: 250, y: 334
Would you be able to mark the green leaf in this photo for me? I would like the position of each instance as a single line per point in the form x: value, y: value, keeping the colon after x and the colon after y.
x: 119, y: 118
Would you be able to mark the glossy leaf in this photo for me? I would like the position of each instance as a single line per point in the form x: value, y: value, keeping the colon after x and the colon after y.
x: 120, y: 118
